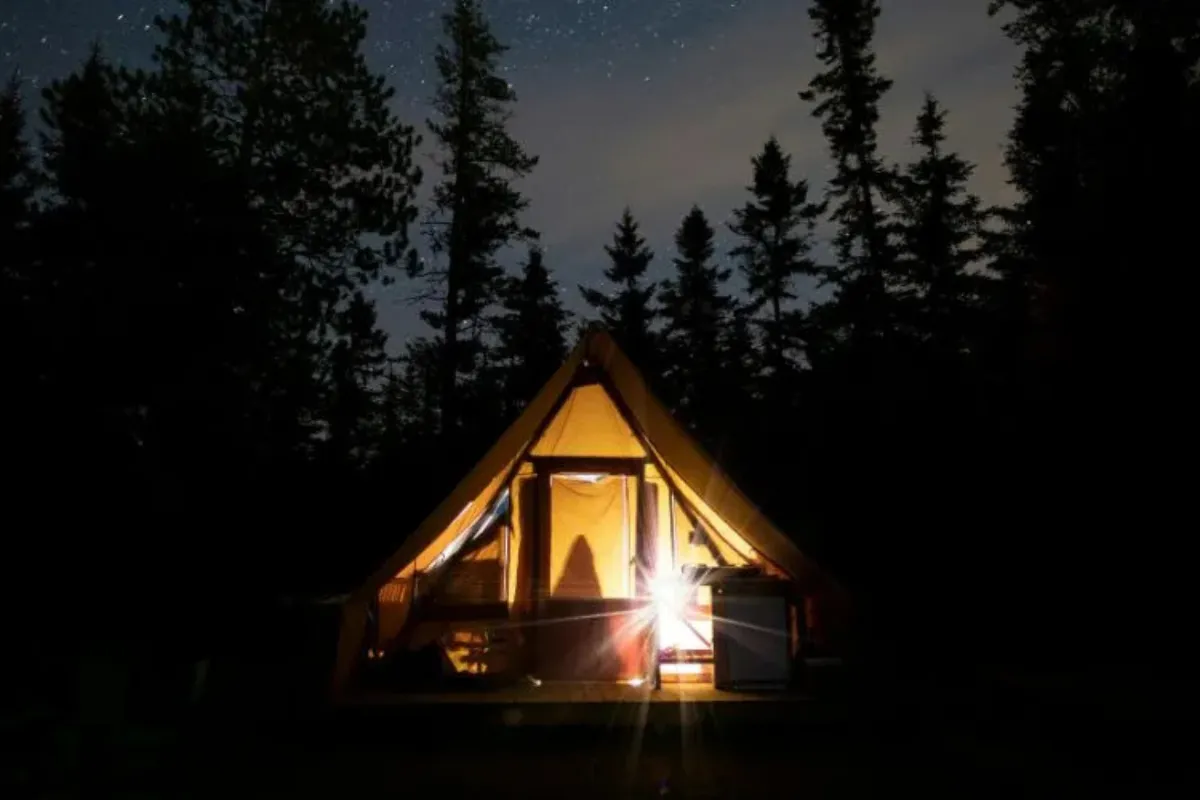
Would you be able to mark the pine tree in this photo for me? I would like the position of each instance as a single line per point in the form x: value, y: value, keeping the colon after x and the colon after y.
x: 476, y: 208
x: 696, y: 312
x: 532, y: 332
x: 1102, y: 139
x: 18, y: 180
x: 847, y: 97
x: 358, y: 369
x: 627, y: 311
x: 413, y: 401
x: 776, y: 229
x: 154, y: 222
x: 17, y: 174
x: 741, y: 362
x: 288, y: 102
x: 86, y: 117
x: 941, y: 225
x: 1094, y: 296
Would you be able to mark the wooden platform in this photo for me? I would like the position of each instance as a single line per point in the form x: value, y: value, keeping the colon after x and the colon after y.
x: 591, y: 703
x: 571, y: 692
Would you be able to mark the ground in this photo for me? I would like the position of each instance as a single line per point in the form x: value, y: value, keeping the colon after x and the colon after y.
x: 704, y: 761
x: 900, y: 743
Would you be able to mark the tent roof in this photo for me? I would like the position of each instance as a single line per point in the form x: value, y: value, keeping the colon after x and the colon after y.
x: 674, y: 446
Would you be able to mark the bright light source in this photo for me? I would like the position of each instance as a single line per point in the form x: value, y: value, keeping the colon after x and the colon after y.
x: 635, y: 682
x: 535, y: 681
x: 672, y: 594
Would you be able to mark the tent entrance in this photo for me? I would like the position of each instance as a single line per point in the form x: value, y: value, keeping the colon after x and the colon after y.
x: 591, y: 620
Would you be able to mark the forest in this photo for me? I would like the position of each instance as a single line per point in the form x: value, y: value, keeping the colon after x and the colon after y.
x: 970, y: 423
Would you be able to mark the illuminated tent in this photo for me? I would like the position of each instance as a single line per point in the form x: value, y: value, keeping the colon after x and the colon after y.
x: 543, y: 557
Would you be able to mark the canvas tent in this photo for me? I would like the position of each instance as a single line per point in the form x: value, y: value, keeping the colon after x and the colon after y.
x: 587, y: 499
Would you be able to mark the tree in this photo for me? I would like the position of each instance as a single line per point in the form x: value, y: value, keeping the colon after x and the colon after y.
x: 532, y: 332
x: 776, y: 232
x: 696, y: 312
x: 1096, y: 300
x: 18, y: 180
x: 413, y: 405
x: 941, y: 225
x: 161, y: 291
x: 628, y: 311
x: 1101, y: 141
x: 358, y: 370
x: 847, y: 97
x: 742, y: 387
x: 17, y: 173
x: 476, y: 208
x: 287, y: 101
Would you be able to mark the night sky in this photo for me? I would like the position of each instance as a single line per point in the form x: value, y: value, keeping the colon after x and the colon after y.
x: 652, y: 103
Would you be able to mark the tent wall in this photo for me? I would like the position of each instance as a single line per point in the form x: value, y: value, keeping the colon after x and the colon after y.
x: 394, y: 603
x: 589, y: 424
x: 478, y: 576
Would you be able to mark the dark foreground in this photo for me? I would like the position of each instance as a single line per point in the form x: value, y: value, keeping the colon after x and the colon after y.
x: 1003, y: 743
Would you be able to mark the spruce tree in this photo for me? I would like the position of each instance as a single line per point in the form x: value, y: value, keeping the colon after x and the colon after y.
x: 627, y: 310
x: 847, y: 95
x: 1103, y: 138
x: 288, y: 102
x: 1100, y: 154
x: 532, y: 332
x: 476, y: 207
x: 941, y: 225
x: 162, y: 303
x: 776, y: 229
x: 741, y: 362
x: 17, y: 174
x: 412, y: 390
x: 85, y: 124
x: 18, y: 179
x: 355, y: 399
x: 696, y: 312
x: 18, y: 341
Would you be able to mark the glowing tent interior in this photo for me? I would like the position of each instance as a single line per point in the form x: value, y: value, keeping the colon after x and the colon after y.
x: 564, y: 553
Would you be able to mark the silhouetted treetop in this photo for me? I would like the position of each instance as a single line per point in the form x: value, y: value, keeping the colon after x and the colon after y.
x: 476, y: 209
x: 776, y: 233
x: 627, y: 309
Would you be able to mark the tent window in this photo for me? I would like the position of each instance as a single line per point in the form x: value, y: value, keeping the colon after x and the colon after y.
x: 474, y: 569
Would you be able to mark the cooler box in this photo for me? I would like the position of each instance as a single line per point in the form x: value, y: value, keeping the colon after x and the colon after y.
x: 751, y: 634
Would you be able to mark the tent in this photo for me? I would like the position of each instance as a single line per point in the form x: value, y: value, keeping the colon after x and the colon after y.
x: 547, y: 557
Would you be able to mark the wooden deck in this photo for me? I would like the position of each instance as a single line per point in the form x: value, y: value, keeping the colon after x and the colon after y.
x: 587, y: 704
x: 571, y: 692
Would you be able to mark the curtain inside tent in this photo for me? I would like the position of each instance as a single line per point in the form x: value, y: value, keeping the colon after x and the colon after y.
x: 591, y: 537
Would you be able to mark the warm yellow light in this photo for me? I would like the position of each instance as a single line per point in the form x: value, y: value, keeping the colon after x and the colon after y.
x: 682, y: 669
x: 671, y: 593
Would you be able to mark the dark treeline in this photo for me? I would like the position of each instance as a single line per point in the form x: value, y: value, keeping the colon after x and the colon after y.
x: 965, y: 425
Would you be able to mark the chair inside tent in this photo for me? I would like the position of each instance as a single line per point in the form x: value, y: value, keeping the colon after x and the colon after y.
x: 572, y: 562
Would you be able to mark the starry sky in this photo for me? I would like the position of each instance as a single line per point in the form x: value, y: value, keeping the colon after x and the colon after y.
x: 657, y: 104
